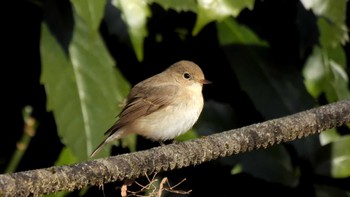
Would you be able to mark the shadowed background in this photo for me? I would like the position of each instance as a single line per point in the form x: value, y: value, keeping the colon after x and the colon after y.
x: 262, y: 61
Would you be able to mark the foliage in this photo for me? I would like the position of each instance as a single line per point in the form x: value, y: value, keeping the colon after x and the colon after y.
x: 92, y: 50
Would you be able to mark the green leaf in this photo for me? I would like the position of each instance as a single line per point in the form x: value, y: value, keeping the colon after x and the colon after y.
x: 230, y: 32
x: 315, y: 73
x: 330, y: 35
x: 338, y: 82
x: 276, y: 90
x: 324, y: 72
x: 329, y: 136
x: 135, y: 13
x: 332, y: 18
x: 58, y: 194
x: 178, y: 5
x: 217, y: 10
x: 83, y: 87
x: 334, y: 159
x: 91, y: 11
x: 66, y: 157
x: 191, y: 134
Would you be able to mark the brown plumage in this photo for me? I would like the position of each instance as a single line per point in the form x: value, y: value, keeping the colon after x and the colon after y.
x: 151, y: 105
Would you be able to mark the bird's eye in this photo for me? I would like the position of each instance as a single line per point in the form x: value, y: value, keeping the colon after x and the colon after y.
x: 187, y: 75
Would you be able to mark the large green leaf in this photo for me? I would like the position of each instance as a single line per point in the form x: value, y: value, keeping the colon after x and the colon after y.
x: 334, y: 159
x: 66, y: 157
x: 276, y: 90
x: 135, y: 13
x: 83, y: 87
x: 178, y: 5
x: 332, y: 18
x: 217, y: 10
x: 91, y: 11
x: 324, y: 71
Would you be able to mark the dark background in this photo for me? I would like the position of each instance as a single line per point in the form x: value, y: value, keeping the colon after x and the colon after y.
x: 272, y: 20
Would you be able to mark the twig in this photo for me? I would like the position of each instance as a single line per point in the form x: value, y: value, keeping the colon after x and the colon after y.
x: 175, y: 156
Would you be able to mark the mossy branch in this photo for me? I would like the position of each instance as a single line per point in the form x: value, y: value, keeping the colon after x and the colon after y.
x: 173, y: 156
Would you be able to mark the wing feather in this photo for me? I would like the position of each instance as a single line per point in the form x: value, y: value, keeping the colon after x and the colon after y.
x: 142, y: 101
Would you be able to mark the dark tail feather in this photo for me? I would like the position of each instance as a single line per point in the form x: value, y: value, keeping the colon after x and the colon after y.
x: 99, y: 148
x: 114, y: 135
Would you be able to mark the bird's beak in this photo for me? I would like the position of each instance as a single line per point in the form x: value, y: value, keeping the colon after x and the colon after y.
x: 204, y: 81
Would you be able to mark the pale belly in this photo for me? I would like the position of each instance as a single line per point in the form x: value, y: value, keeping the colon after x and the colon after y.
x: 169, y: 122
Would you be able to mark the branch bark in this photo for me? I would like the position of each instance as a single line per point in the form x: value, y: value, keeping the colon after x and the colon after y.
x: 179, y: 155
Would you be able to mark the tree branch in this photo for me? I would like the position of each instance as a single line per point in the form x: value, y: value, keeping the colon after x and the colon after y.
x: 179, y: 155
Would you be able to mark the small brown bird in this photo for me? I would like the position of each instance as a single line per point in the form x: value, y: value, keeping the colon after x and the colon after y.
x: 163, y: 106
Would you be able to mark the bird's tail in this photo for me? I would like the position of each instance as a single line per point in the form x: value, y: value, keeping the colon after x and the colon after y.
x: 99, y: 148
x: 113, y: 136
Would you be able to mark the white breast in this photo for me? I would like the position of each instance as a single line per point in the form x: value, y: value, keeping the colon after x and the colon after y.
x: 173, y: 120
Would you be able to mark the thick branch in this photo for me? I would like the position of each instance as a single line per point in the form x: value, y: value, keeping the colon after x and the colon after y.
x: 179, y: 155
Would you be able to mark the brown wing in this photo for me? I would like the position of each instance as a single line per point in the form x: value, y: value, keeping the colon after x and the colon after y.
x: 142, y: 101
